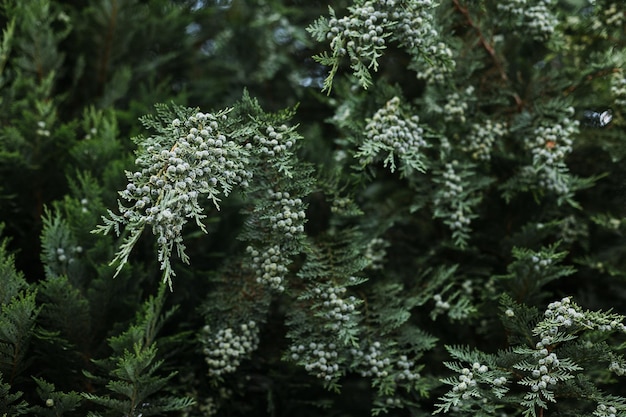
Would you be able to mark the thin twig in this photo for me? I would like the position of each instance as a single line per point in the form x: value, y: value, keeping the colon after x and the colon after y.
x: 488, y: 47
x: 591, y: 77
x: 104, y: 63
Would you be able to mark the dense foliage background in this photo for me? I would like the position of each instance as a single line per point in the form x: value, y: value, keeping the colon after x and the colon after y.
x: 415, y: 207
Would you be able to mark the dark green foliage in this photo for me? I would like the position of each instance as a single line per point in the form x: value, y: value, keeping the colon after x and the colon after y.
x: 10, y: 403
x: 269, y: 207
x: 134, y: 385
x: 12, y: 280
x: 17, y: 324
x: 55, y: 403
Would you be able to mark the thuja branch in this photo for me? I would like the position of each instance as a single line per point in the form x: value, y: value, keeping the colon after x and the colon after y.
x: 198, y: 156
x: 193, y: 157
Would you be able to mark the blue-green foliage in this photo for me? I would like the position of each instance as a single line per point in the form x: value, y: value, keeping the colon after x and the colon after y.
x: 544, y: 363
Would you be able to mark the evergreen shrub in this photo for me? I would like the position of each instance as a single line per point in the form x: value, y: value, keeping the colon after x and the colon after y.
x: 272, y: 207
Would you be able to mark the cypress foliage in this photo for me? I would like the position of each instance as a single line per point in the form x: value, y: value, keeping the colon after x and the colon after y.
x: 272, y: 207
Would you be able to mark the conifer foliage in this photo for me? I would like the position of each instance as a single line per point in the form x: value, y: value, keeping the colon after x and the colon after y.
x: 272, y: 207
